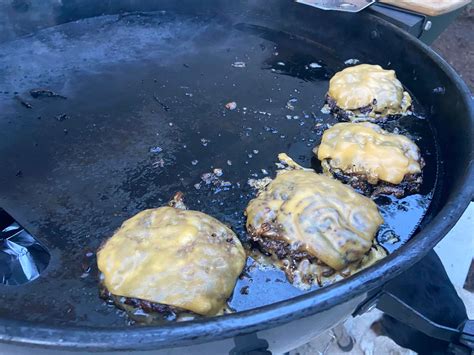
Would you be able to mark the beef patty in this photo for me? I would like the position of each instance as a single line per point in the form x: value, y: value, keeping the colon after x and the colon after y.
x: 367, y: 93
x: 371, y: 159
x: 170, y: 259
x: 315, y: 227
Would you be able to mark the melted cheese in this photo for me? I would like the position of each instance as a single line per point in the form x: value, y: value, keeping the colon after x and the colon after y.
x: 318, y: 214
x: 180, y: 258
x: 369, y: 85
x: 366, y: 149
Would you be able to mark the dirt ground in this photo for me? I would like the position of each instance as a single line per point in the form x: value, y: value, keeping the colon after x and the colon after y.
x: 456, y: 45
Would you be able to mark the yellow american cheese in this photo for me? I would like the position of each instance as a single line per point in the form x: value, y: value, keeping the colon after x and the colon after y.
x: 181, y: 258
x: 367, y: 149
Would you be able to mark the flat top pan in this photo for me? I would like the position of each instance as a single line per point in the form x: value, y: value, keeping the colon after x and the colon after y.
x: 145, y: 117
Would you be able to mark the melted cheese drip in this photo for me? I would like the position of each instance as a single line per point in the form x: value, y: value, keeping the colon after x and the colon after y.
x: 318, y: 214
x: 369, y: 85
x: 366, y: 149
x: 180, y: 258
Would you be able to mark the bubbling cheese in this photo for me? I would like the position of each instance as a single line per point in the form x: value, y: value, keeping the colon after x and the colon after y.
x: 179, y: 258
x: 317, y: 214
x: 366, y: 149
x: 365, y: 85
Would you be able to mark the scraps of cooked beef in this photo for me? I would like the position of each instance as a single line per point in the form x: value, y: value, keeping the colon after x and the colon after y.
x: 315, y: 227
x: 371, y: 159
x: 367, y: 93
x: 172, y: 259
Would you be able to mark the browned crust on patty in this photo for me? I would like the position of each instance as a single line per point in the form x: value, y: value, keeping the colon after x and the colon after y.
x: 157, y: 311
x: 411, y: 183
x: 270, y: 243
x: 344, y: 116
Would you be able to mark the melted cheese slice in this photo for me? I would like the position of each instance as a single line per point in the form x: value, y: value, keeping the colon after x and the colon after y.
x: 369, y: 85
x: 366, y: 149
x: 180, y: 258
x: 318, y: 214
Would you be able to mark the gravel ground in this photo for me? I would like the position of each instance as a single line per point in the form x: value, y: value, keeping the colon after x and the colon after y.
x: 456, y: 45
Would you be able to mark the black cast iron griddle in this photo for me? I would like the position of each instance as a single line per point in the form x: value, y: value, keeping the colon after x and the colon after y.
x: 144, y: 117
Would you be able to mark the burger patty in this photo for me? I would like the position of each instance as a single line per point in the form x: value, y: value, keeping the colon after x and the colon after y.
x: 171, y: 256
x: 314, y: 228
x: 345, y: 115
x: 367, y: 92
x: 410, y: 185
x: 269, y: 243
x: 135, y: 308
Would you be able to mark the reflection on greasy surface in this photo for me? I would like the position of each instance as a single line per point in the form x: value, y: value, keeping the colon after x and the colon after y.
x: 180, y: 258
x: 367, y: 149
x: 367, y: 92
x: 318, y: 218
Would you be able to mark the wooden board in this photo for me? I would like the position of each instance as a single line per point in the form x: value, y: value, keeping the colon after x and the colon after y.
x: 428, y: 7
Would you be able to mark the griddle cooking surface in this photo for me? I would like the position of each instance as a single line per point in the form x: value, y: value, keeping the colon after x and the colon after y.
x: 144, y: 117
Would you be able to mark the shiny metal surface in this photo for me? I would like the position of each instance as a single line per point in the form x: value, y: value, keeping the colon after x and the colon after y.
x: 339, y: 5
